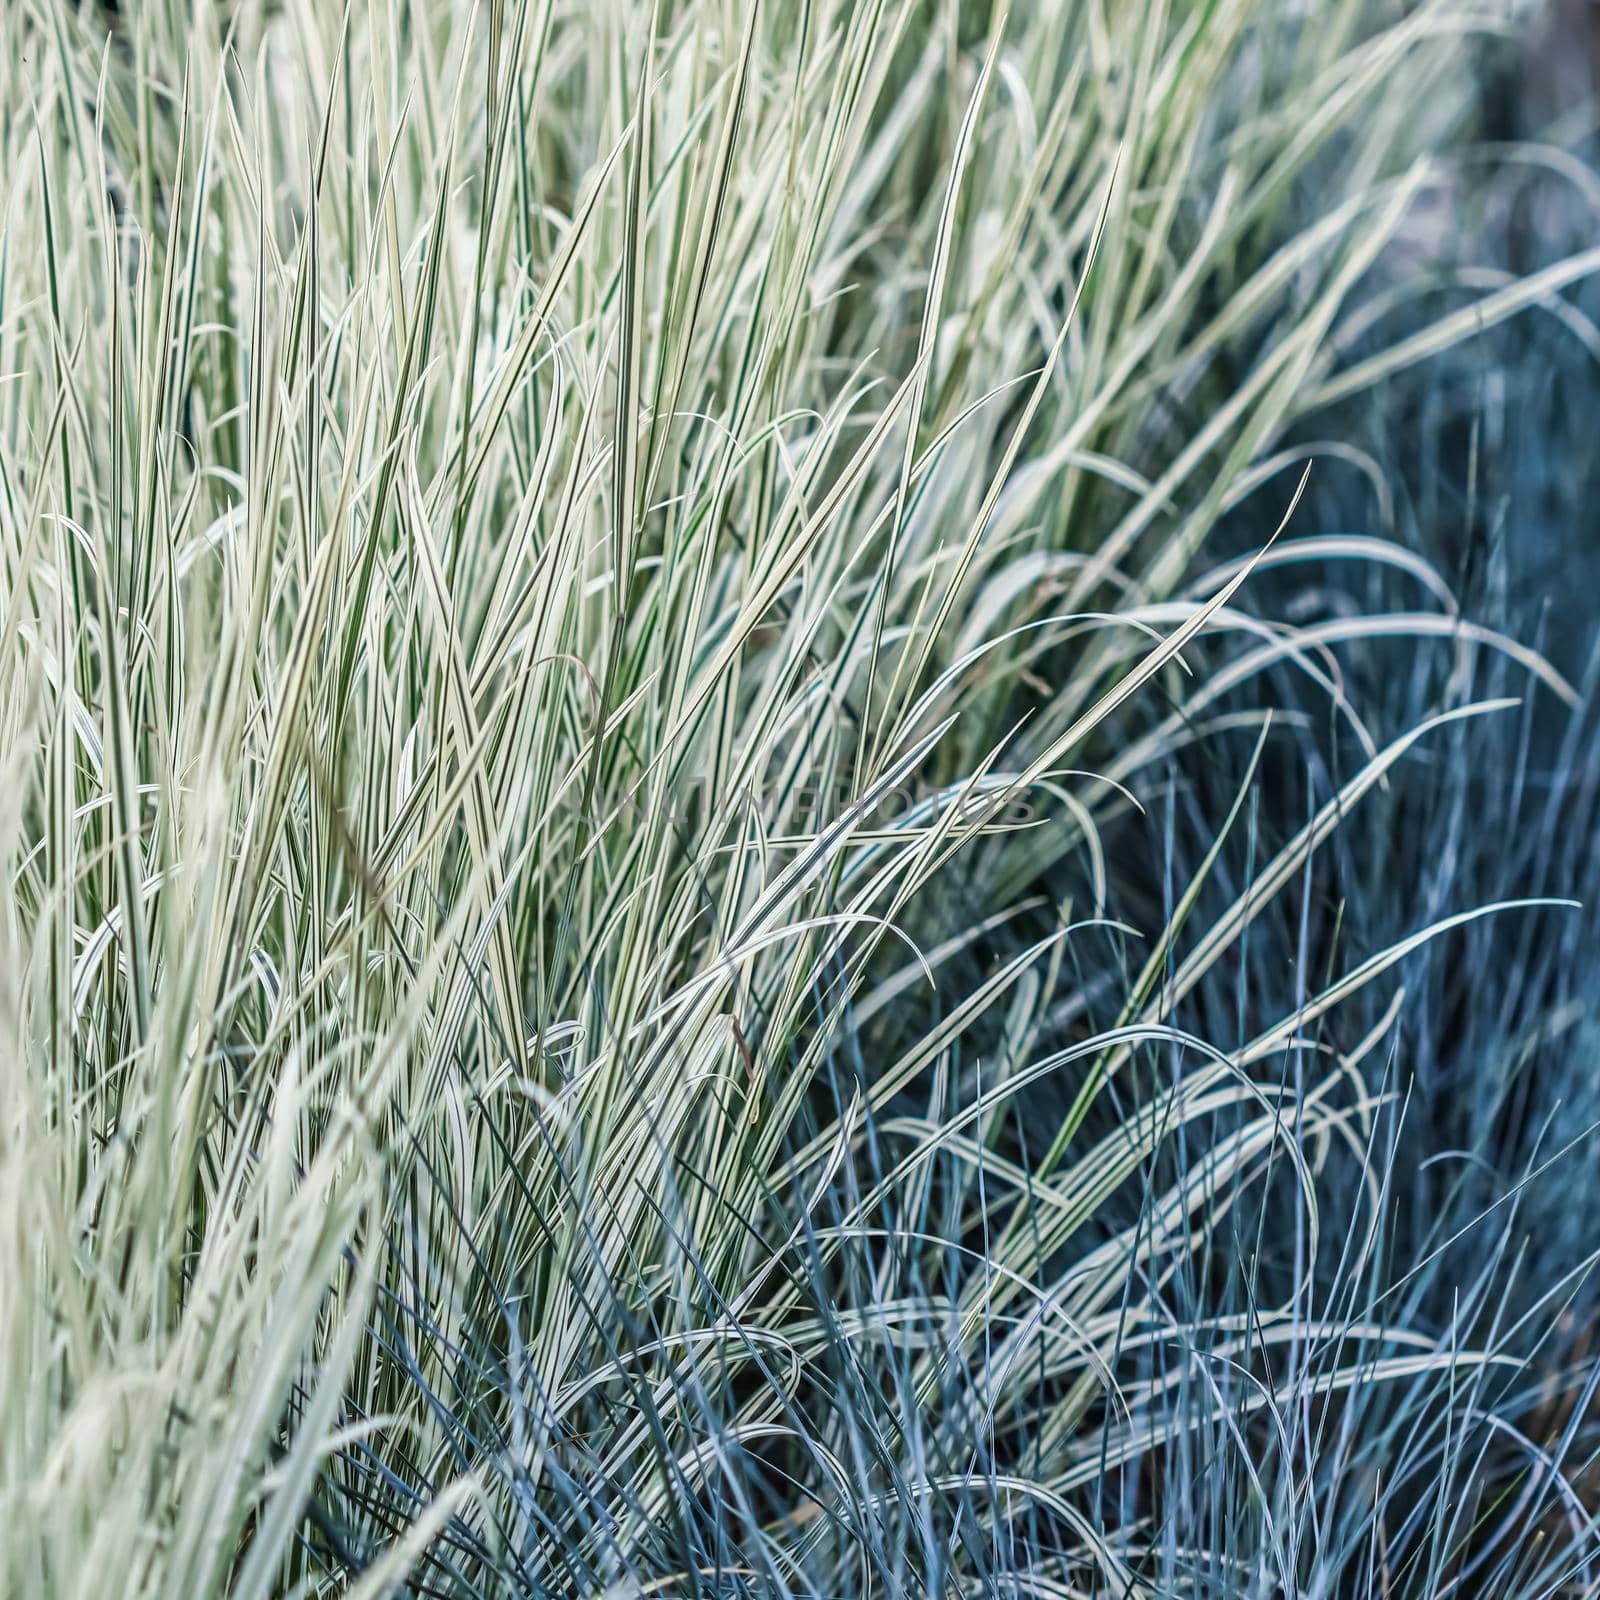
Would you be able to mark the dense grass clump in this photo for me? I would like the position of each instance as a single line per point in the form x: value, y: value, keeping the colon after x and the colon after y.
x: 760, y: 836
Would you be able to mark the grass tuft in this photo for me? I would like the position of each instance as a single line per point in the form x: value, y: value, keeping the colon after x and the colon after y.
x: 753, y: 845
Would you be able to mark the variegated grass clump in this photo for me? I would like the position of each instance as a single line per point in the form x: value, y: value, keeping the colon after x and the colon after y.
x: 496, y: 502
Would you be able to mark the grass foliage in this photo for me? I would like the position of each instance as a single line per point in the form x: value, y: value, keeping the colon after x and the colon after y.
x: 716, y: 879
